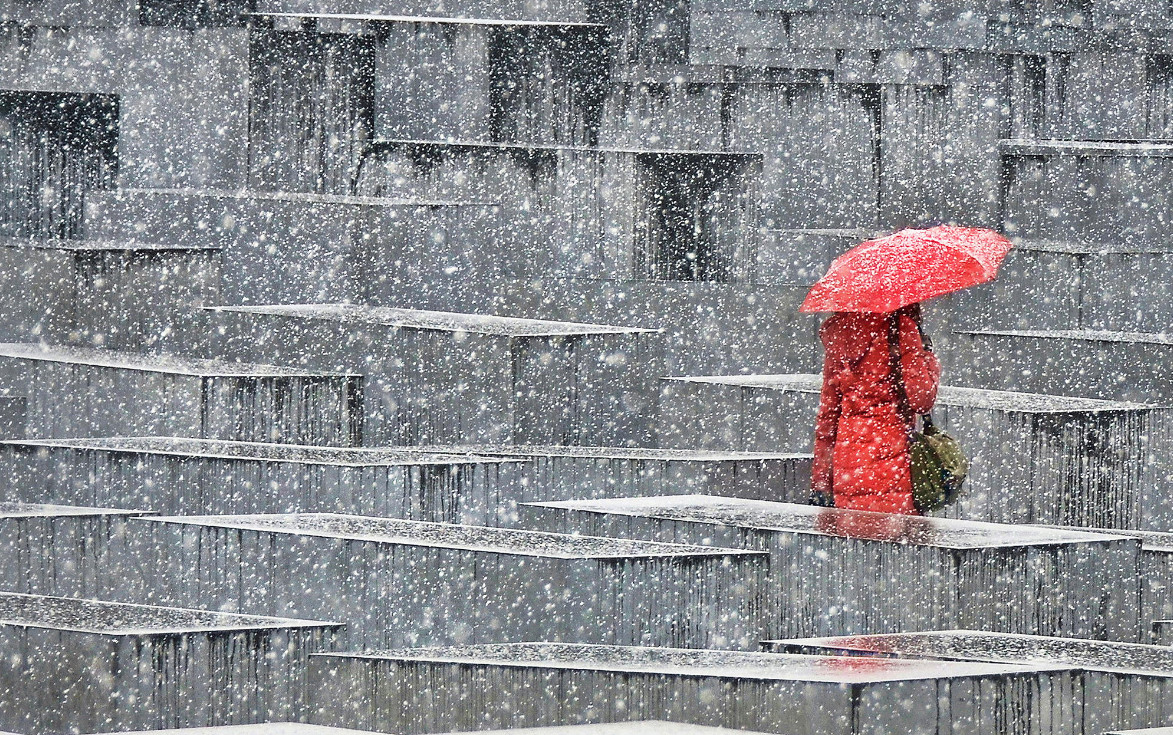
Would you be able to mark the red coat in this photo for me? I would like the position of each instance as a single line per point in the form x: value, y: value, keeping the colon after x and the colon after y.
x: 861, y: 442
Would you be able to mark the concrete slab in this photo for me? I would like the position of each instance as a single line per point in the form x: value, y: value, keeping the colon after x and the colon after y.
x: 938, y: 572
x: 75, y: 391
x: 398, y: 582
x: 772, y: 692
x: 199, y: 476
x: 91, y: 665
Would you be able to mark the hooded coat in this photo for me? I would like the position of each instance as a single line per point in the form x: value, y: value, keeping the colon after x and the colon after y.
x: 861, y: 456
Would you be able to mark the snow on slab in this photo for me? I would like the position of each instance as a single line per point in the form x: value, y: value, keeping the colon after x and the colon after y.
x: 1083, y: 335
x: 301, y: 197
x: 1004, y: 648
x: 443, y: 321
x: 636, y: 453
x: 155, y: 363
x: 123, y: 619
x: 451, y: 536
x: 44, y: 510
x: 1028, y: 147
x: 392, y: 142
x: 430, y: 19
x: 637, y: 727
x: 1069, y: 247
x: 766, y: 515
x: 697, y: 663
x: 254, y: 451
x: 995, y: 400
x: 100, y: 245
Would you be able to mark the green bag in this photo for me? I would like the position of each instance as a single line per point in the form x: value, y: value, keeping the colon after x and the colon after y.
x: 939, y: 466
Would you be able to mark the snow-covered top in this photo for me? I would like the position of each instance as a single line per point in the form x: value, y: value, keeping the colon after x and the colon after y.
x: 43, y: 510
x: 994, y: 400
x: 122, y: 619
x: 95, y: 245
x: 292, y: 196
x: 442, y: 321
x: 388, y: 142
x: 636, y: 727
x: 1072, y: 247
x: 430, y: 19
x: 1029, y: 147
x: 1085, y: 335
x: 259, y: 452
x: 637, y: 453
x: 790, y: 518
x: 155, y: 363
x: 265, y: 728
x: 450, y: 536
x: 1008, y: 648
x: 699, y: 663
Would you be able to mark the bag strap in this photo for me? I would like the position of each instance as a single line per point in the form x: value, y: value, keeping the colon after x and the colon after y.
x: 897, y: 374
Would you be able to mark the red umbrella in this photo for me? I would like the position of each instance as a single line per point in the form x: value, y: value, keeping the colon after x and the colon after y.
x: 883, y: 275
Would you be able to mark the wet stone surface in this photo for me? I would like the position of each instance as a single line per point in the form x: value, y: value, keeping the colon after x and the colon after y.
x: 1086, y: 335
x: 113, y: 618
x: 43, y: 510
x: 150, y: 363
x: 637, y: 453
x: 291, y: 453
x: 688, y: 662
x: 100, y: 245
x: 444, y: 535
x: 1107, y: 656
x: 795, y: 518
x: 434, y: 320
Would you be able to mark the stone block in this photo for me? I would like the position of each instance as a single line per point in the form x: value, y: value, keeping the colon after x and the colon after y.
x: 87, y: 665
x: 1105, y: 192
x: 398, y: 582
x: 58, y: 549
x: 198, y: 476
x: 1033, y: 458
x: 181, y: 94
x: 565, y: 473
x: 419, y: 690
x: 118, y: 295
x: 87, y: 392
x: 442, y: 377
x: 1128, y: 366
x: 290, y: 247
x: 592, y: 212
x: 1124, y: 685
x: 937, y: 573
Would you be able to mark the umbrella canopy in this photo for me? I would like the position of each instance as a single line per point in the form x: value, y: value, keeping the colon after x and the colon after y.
x: 909, y: 266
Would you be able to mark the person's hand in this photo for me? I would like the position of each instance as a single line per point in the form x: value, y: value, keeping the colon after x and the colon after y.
x: 822, y: 499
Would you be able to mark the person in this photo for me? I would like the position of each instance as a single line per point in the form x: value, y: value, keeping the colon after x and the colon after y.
x: 861, y: 453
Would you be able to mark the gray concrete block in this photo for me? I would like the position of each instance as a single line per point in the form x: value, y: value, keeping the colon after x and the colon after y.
x: 568, y: 473
x: 441, y: 377
x: 1088, y: 191
x: 1125, y: 685
x: 326, y: 248
x: 400, y: 582
x: 197, y: 476
x: 117, y: 295
x: 772, y: 692
x: 58, y: 549
x: 824, y: 562
x: 85, y: 392
x: 91, y: 665
x: 598, y: 213
x: 802, y: 256
x: 181, y: 94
